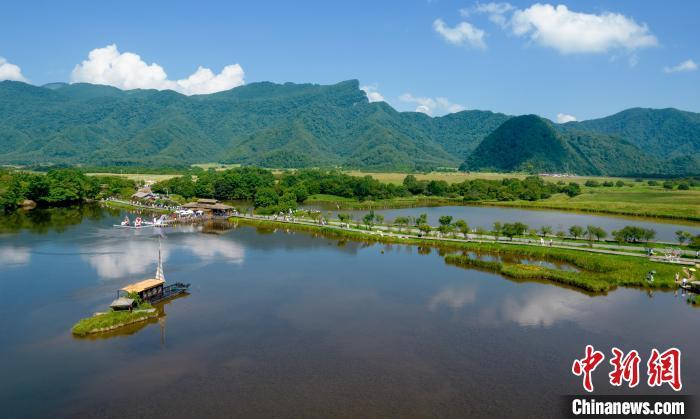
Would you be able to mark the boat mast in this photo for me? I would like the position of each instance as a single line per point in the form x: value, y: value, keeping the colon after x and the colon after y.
x: 159, y: 270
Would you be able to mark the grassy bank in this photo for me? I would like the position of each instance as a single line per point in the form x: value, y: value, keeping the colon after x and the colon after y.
x: 113, y: 319
x: 638, y: 200
x: 598, y: 272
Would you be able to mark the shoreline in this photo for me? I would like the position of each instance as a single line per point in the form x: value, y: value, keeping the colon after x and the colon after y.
x: 444, y: 202
x: 600, y: 270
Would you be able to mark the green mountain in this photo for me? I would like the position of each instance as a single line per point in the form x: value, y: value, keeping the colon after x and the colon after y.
x: 301, y: 125
x: 273, y: 125
x: 666, y: 133
x: 531, y: 143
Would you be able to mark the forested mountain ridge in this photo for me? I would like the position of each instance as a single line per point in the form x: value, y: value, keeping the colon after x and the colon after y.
x: 303, y: 125
x: 661, y: 132
x: 537, y: 145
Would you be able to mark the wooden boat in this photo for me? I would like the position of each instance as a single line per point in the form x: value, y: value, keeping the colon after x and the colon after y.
x: 151, y: 290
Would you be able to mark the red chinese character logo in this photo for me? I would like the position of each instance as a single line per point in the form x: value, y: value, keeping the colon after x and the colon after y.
x: 665, y: 368
x: 625, y: 368
x: 586, y: 366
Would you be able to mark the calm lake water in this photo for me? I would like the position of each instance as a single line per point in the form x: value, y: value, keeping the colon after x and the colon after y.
x: 559, y: 220
x: 291, y: 324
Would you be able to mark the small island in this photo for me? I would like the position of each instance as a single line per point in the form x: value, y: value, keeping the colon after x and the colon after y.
x: 134, y: 304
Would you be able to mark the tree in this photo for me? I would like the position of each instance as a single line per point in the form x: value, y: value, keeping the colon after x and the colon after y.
x: 344, y: 218
x: 511, y: 230
x: 683, y: 236
x: 287, y: 201
x: 597, y: 232
x: 695, y: 242
x: 368, y: 219
x: 422, y: 219
x: 576, y: 231
x: 301, y: 193
x: 437, y: 187
x: 266, y: 197
x: 445, y: 224
x: 463, y: 227
x: 572, y: 189
x: 401, y: 222
x: 379, y: 218
x: 497, y: 229
x: 445, y: 220
x: 633, y: 234
x: 545, y: 231
x: 425, y: 229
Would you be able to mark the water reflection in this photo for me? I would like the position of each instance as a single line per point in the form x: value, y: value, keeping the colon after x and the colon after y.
x: 14, y: 256
x: 453, y: 297
x: 207, y: 248
x: 484, y: 217
x: 124, y: 258
x: 315, y: 323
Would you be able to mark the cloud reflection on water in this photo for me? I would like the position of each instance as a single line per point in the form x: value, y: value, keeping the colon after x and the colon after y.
x: 453, y: 297
x: 125, y: 258
x: 207, y: 247
x: 14, y: 256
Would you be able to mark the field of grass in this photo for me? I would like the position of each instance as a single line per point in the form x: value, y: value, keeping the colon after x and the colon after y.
x: 638, y: 200
x: 139, y: 177
x: 456, y: 177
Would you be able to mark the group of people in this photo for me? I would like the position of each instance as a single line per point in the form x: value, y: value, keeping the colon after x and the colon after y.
x: 138, y: 222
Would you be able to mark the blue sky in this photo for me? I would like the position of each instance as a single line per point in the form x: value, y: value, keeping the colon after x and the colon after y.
x: 584, y: 58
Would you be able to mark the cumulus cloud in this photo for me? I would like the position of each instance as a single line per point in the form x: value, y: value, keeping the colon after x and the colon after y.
x: 563, y: 118
x: 372, y: 94
x: 464, y: 34
x: 128, y: 71
x: 685, y: 66
x: 572, y: 32
x: 431, y: 106
x: 9, y: 71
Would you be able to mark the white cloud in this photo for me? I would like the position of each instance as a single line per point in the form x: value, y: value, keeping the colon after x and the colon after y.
x: 563, y: 118
x: 496, y: 11
x: 687, y: 65
x: 372, y: 94
x: 464, y: 34
x: 128, y: 71
x: 431, y: 106
x: 572, y: 32
x: 10, y: 71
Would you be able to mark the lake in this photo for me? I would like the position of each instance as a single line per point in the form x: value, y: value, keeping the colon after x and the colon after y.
x: 294, y: 324
x: 484, y: 217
